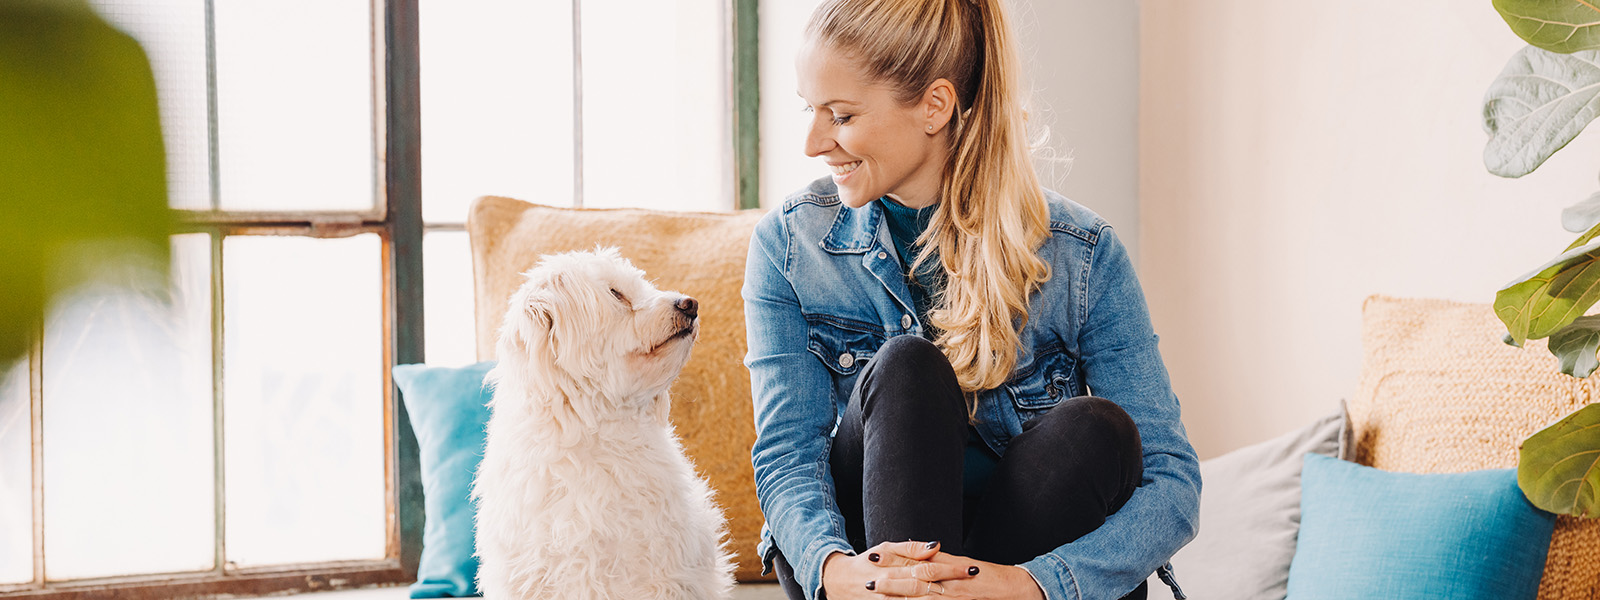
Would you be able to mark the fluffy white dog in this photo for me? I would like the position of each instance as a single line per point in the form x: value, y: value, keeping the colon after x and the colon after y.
x: 584, y: 491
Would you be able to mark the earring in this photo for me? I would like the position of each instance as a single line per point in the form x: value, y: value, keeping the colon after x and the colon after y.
x: 930, y: 128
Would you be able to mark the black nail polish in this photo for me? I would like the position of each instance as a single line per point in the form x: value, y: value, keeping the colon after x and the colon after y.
x: 872, y: 585
x: 873, y: 557
x: 972, y: 571
x: 932, y: 545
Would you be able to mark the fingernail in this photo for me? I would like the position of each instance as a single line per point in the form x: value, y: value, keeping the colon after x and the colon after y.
x: 872, y: 585
x: 932, y: 545
x: 873, y: 557
x: 972, y: 571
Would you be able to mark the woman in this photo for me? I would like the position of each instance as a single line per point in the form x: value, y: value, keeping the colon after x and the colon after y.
x: 950, y: 407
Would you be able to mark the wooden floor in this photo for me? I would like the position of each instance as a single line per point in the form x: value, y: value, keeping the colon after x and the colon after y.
x: 758, y: 591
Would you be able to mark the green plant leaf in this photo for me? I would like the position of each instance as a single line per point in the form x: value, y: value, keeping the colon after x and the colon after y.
x: 1559, y: 467
x: 1583, y: 216
x: 1551, y: 296
x: 81, y: 155
x: 1540, y: 101
x: 1577, y: 346
x: 1563, y: 26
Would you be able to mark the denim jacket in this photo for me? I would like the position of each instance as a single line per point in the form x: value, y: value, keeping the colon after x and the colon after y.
x: 823, y: 290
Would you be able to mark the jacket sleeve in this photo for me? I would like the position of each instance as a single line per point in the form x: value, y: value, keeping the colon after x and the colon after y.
x: 1120, y: 363
x: 794, y: 413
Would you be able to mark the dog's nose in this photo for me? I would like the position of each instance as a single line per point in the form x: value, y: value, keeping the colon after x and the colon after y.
x: 689, y: 306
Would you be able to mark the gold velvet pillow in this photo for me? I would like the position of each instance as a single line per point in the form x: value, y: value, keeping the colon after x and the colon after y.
x: 1440, y: 393
x: 699, y: 254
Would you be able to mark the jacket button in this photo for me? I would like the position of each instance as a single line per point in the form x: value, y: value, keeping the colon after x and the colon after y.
x: 846, y: 360
x: 883, y: 255
x: 905, y: 322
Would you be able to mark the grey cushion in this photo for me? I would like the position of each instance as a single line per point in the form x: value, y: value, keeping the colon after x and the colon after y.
x: 1250, y: 515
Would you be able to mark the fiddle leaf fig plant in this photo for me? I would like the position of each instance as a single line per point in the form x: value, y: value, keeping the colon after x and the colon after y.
x: 1563, y: 26
x: 1559, y: 469
x: 1545, y: 96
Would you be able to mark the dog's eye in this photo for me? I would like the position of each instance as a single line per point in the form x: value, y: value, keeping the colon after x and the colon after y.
x: 619, y: 296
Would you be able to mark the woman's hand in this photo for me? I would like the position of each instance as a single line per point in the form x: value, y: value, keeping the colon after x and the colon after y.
x: 897, y: 569
x: 916, y: 569
x: 984, y: 580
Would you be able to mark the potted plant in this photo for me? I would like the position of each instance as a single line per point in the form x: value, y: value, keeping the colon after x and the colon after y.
x: 1545, y: 96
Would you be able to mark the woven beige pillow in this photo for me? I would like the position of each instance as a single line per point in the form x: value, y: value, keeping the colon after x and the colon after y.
x: 1440, y: 393
x: 699, y: 254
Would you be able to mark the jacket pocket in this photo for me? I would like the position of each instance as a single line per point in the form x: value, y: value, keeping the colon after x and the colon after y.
x: 1052, y: 378
x: 843, y: 345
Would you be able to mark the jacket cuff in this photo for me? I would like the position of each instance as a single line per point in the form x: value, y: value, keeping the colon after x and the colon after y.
x: 808, y: 572
x: 1054, y: 577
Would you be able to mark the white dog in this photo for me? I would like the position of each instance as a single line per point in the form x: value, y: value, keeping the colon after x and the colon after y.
x: 584, y: 491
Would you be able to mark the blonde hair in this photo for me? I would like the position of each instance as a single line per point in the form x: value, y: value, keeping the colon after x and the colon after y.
x: 992, y: 216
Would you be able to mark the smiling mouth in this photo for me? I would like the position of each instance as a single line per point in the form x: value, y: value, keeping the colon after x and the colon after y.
x: 844, y: 169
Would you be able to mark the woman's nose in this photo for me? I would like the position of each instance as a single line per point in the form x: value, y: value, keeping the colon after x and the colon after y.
x: 818, y: 139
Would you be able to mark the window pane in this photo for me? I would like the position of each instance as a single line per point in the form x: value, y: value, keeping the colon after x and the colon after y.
x: 496, y: 103
x: 173, y: 33
x: 785, y: 168
x: 447, y: 294
x: 16, y: 476
x: 655, y: 105
x: 294, y: 105
x: 303, y: 399
x: 128, y: 449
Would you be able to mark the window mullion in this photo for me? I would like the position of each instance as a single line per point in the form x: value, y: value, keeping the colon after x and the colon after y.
x: 36, y: 412
x: 577, y: 103
x: 219, y: 449
x: 402, y: 189
x: 747, y: 104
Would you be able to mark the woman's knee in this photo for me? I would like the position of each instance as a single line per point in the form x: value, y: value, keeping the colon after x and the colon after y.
x: 909, y: 370
x: 1102, y: 423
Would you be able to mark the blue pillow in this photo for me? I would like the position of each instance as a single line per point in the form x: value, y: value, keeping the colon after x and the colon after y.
x: 1366, y: 533
x: 447, y: 411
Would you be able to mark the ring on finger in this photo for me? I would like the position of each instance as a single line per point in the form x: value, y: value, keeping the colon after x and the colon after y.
x: 935, y: 588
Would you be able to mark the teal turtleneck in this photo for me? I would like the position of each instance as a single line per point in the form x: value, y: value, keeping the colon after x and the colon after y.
x: 905, y: 224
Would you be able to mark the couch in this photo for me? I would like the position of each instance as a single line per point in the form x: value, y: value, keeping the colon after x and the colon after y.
x: 1438, y: 391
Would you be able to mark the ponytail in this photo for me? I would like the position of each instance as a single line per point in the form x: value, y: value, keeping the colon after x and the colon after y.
x: 992, y: 216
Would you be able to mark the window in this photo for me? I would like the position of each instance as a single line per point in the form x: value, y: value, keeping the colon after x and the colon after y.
x: 235, y: 430
x: 231, y: 430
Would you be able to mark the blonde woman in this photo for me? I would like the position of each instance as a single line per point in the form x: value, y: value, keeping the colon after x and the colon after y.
x: 925, y: 328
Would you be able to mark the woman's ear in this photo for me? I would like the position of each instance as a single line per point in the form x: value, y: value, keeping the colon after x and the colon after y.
x: 938, y: 104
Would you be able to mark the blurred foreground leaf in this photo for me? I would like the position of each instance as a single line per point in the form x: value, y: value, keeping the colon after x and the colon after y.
x: 81, y: 156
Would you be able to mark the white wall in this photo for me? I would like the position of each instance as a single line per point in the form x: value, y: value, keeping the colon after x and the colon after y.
x: 1082, y: 61
x: 1297, y: 157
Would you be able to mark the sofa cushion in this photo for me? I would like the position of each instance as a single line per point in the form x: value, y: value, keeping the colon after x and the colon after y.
x: 447, y: 412
x: 1440, y: 393
x: 699, y: 254
x: 1250, y: 514
x: 1366, y: 533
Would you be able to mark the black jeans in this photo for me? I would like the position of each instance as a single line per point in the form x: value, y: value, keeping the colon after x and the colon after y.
x: 897, y: 465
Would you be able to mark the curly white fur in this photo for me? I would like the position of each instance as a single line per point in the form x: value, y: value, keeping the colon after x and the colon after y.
x: 584, y: 491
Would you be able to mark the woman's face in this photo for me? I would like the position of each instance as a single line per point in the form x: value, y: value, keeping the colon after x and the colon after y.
x: 874, y: 144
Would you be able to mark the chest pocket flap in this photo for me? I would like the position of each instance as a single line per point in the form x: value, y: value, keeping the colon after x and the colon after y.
x: 844, y: 345
x: 1052, y: 378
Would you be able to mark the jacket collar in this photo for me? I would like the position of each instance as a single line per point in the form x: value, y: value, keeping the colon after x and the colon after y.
x: 854, y: 229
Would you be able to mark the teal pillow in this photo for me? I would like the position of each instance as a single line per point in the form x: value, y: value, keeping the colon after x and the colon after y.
x: 1366, y: 533
x: 447, y: 411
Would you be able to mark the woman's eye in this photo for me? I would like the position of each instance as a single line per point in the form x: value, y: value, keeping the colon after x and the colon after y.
x: 807, y: 109
x: 841, y: 119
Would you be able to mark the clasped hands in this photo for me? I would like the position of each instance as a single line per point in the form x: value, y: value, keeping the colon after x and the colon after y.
x: 919, y: 569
